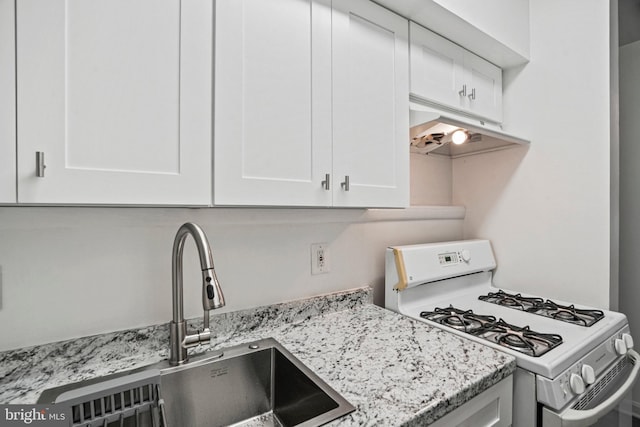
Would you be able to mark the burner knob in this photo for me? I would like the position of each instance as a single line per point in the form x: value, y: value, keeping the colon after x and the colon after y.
x: 576, y: 383
x: 466, y: 255
x: 620, y: 346
x: 588, y: 374
x: 628, y: 340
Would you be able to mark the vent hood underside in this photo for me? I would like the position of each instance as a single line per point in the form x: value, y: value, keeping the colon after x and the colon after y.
x: 431, y: 131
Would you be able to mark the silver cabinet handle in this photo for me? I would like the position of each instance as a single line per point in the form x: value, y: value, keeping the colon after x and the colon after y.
x: 326, y: 184
x: 345, y: 183
x: 40, y: 166
x: 472, y: 95
x: 463, y: 92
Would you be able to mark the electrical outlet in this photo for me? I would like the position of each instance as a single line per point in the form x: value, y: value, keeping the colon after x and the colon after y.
x: 319, y: 258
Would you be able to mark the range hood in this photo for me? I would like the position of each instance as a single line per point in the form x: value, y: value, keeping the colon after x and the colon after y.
x: 432, y: 131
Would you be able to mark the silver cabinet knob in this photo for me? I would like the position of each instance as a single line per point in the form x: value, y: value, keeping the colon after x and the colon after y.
x: 345, y: 183
x: 326, y: 183
x: 472, y: 95
x: 40, y: 166
x: 463, y: 91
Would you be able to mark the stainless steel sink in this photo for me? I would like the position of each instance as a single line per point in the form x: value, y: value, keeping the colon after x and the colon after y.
x: 256, y: 384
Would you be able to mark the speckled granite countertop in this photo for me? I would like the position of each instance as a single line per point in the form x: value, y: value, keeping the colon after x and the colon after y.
x: 395, y: 370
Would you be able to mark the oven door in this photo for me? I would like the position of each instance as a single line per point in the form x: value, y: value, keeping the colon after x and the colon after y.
x: 607, y: 402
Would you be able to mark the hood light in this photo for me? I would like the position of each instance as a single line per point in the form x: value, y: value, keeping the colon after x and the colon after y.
x: 459, y: 137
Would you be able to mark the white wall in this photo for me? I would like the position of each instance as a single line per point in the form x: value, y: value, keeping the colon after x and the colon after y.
x: 614, y: 150
x: 431, y: 179
x: 630, y: 190
x: 547, y: 210
x: 69, y: 272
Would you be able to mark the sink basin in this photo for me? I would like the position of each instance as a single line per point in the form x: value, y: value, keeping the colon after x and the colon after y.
x: 265, y: 383
x: 256, y: 384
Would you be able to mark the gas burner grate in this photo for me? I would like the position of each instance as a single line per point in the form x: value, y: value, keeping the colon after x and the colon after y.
x: 548, y: 308
x: 570, y: 313
x: 516, y: 301
x: 521, y: 339
x: 462, y: 320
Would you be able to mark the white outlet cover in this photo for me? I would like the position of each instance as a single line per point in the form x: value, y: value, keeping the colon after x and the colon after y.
x: 319, y: 258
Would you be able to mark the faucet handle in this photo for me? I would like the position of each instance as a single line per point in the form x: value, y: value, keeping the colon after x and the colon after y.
x: 197, y: 338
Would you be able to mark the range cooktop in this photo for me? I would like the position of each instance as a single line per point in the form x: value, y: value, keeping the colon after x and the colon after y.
x: 547, y: 308
x: 517, y: 338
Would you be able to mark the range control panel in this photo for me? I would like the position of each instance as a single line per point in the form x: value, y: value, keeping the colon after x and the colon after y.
x: 454, y: 258
x: 449, y: 258
x: 432, y: 262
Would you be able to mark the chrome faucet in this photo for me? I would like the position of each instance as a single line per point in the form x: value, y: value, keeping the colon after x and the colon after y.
x: 212, y: 296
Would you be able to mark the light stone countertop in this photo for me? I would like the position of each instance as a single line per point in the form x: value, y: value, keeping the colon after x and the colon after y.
x: 394, y: 370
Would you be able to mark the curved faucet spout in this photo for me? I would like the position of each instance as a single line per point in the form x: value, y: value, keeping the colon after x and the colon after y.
x: 212, y: 296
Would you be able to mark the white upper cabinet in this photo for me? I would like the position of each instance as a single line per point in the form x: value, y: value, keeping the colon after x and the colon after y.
x: 272, y: 102
x: 7, y: 103
x: 117, y: 95
x: 306, y: 96
x: 370, y: 106
x: 445, y: 74
x: 437, y: 68
x: 484, y: 90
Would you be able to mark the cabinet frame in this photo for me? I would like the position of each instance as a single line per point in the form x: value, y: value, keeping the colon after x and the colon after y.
x: 8, y: 192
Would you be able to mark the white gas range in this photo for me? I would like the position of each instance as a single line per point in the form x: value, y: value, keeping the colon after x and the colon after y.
x: 575, y: 365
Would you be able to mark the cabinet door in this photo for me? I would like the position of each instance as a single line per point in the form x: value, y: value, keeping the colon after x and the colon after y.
x: 370, y: 106
x: 272, y: 102
x: 491, y: 408
x: 7, y: 103
x: 485, y: 86
x: 117, y: 95
x: 437, y: 68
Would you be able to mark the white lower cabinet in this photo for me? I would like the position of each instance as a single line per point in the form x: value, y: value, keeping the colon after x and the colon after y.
x: 448, y: 75
x: 117, y: 97
x: 491, y: 408
x: 311, y: 104
x: 7, y: 103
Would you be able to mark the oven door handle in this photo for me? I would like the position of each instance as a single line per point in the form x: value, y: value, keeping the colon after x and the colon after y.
x: 575, y: 417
